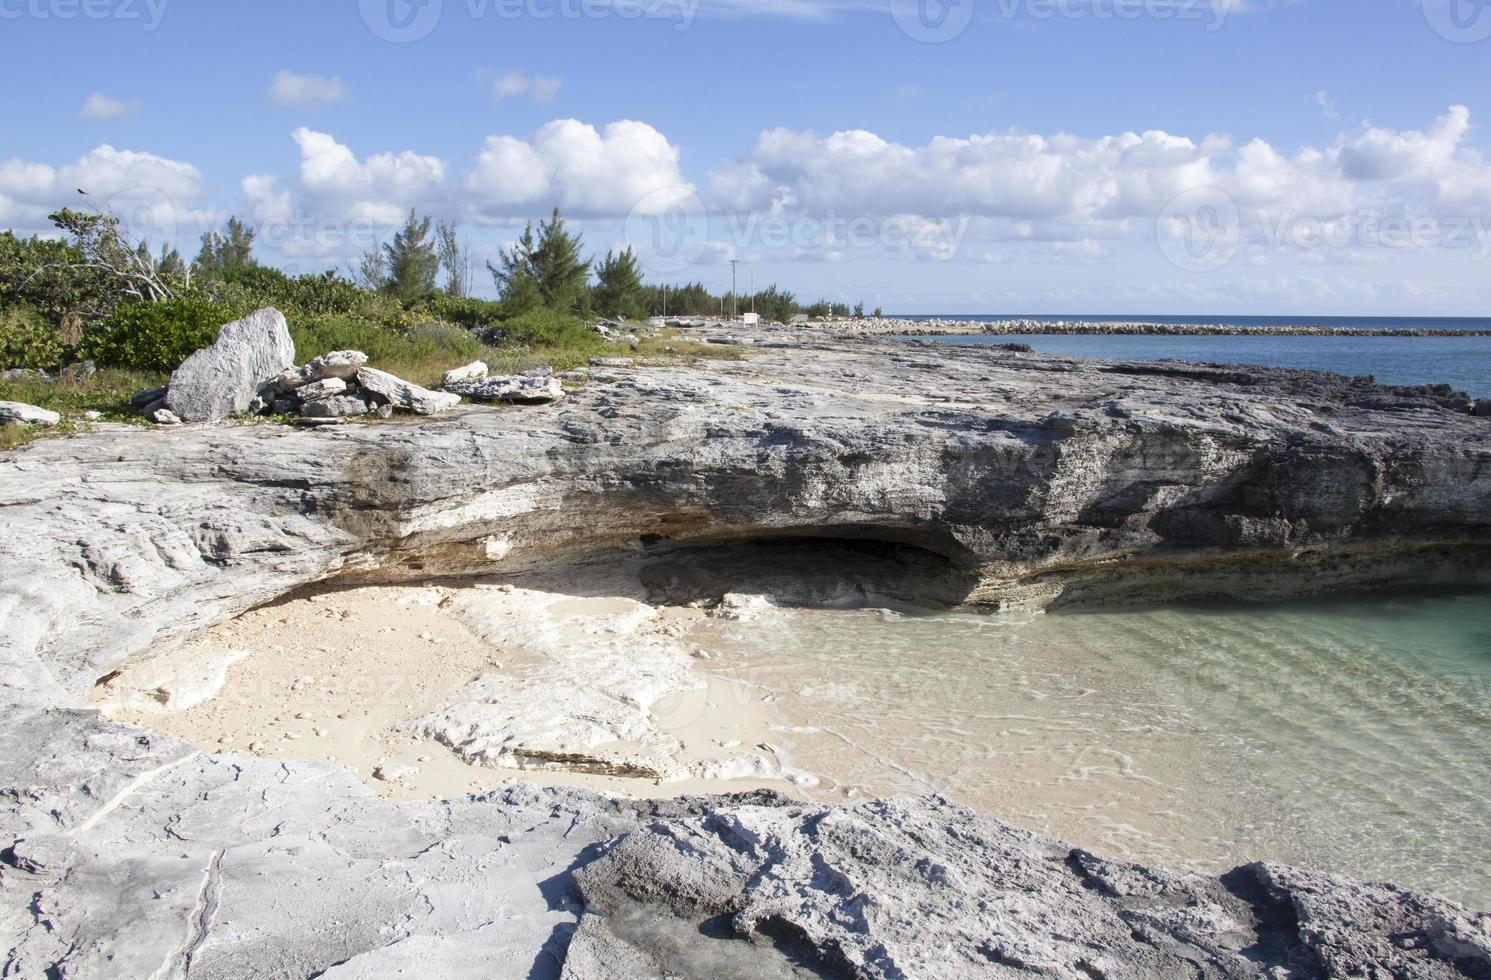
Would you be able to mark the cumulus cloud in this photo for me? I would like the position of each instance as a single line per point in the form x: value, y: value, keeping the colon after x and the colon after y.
x: 380, y: 188
x: 540, y: 88
x: 99, y: 106
x: 155, y: 195
x: 628, y: 166
x: 304, y: 91
x: 1061, y: 187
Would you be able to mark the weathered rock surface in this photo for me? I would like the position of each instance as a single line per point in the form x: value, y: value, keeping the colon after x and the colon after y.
x: 514, y: 389
x: 132, y: 855
x: 20, y: 412
x: 402, y: 394
x: 472, y: 371
x: 224, y: 379
x: 343, y: 364
x: 992, y: 477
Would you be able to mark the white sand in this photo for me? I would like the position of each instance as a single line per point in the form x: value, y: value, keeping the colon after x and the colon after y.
x: 343, y: 676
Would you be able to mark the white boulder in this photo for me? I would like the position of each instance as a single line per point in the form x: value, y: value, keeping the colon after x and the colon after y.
x: 516, y: 389
x: 224, y: 379
x: 472, y: 371
x: 399, y: 393
x: 27, y: 414
x: 342, y: 364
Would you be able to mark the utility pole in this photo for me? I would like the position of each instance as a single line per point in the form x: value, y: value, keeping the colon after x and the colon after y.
x: 734, y: 291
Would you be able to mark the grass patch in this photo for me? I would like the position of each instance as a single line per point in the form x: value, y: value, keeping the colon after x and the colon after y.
x: 108, y: 391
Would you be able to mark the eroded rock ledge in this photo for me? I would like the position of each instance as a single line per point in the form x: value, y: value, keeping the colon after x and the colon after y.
x: 993, y: 477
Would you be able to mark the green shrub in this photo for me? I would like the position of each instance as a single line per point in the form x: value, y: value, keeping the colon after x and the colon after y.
x: 256, y: 287
x: 547, y: 328
x: 464, y: 311
x: 27, y: 340
x: 155, y: 336
x: 419, y: 354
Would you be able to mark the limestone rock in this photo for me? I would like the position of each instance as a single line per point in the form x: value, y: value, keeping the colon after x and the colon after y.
x: 25, y: 414
x: 343, y: 364
x: 476, y: 369
x: 148, y: 396
x: 125, y: 853
x: 335, y: 407
x: 316, y: 390
x: 164, y: 416
x: 515, y: 389
x: 223, y: 379
x: 399, y: 393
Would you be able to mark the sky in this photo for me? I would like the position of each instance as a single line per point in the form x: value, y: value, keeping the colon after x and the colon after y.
x: 1070, y: 157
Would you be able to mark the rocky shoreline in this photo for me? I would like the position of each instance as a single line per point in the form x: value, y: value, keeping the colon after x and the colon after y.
x: 987, y: 478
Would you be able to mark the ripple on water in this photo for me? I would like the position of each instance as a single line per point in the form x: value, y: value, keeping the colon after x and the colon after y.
x: 1347, y: 734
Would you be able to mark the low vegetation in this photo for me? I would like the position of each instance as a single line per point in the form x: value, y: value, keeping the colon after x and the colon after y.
x: 94, y: 298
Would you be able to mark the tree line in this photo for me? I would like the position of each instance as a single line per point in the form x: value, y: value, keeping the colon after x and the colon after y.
x: 546, y: 268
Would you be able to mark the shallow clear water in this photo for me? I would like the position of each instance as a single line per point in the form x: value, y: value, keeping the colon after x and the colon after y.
x: 1462, y: 362
x: 1350, y: 735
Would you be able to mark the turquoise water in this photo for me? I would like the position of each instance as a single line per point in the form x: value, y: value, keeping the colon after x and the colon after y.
x: 1463, y: 362
x: 1349, y: 735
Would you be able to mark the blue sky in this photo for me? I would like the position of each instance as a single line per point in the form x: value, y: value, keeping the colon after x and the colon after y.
x: 1087, y: 156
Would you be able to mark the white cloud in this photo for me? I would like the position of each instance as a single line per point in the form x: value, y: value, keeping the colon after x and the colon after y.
x: 303, y: 91
x: 156, y: 197
x: 381, y: 188
x: 541, y: 88
x: 585, y: 171
x: 99, y: 106
x: 1327, y: 107
x: 1060, y: 187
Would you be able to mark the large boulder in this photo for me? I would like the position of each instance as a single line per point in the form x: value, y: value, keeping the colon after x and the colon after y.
x: 472, y: 371
x: 224, y: 379
x: 399, y: 393
x: 342, y: 364
x: 27, y: 414
x: 514, y: 389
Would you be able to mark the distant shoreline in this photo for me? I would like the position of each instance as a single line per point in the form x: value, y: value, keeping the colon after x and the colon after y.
x: 940, y: 327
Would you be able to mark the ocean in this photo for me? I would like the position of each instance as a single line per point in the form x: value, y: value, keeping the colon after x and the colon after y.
x: 1346, y: 734
x: 1462, y: 362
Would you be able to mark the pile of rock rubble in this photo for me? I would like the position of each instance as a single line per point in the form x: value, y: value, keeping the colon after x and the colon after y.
x: 251, y: 371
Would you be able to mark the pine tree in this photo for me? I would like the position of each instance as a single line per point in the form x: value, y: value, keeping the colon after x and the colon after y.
x: 223, y: 255
x: 455, y: 259
x: 411, y: 260
x: 563, y: 277
x: 549, y: 264
x: 618, y: 290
